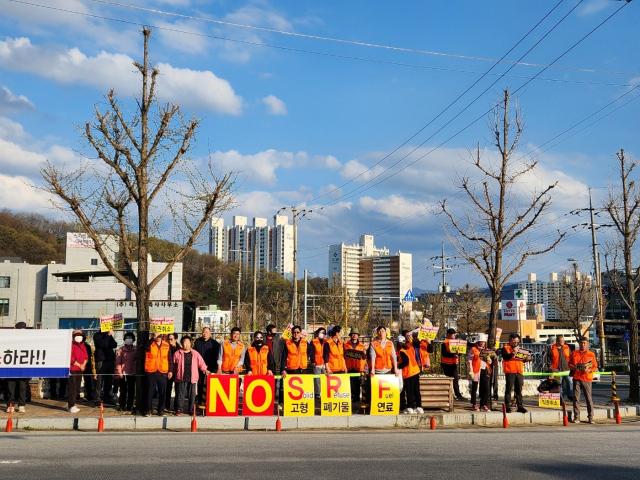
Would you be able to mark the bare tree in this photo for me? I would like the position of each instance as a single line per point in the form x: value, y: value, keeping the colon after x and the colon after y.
x: 494, y: 232
x: 576, y: 301
x: 471, y: 307
x: 141, y: 156
x: 623, y: 206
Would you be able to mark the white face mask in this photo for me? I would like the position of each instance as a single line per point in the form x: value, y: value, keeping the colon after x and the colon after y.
x: 321, y: 336
x: 78, y: 338
x: 128, y: 341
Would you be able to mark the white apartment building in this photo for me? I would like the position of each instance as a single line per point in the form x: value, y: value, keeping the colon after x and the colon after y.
x: 546, y: 293
x: 344, y: 262
x: 273, y: 243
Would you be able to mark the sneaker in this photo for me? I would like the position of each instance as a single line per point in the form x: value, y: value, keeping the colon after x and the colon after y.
x: 419, y: 410
x: 10, y: 409
x: 409, y: 411
x: 485, y: 408
x: 147, y: 414
x: 592, y: 422
x: 476, y: 408
x: 178, y: 413
x: 73, y: 409
x: 575, y: 420
x: 522, y: 410
x: 21, y: 409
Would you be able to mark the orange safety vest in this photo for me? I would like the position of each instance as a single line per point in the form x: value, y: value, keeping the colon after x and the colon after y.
x: 157, y: 358
x: 352, y: 363
x: 318, y: 344
x: 476, y: 360
x: 448, y: 360
x: 258, y: 360
x: 231, y: 356
x: 296, y: 355
x: 514, y: 365
x: 383, y: 355
x: 413, y: 368
x: 425, y: 358
x: 583, y: 357
x: 555, y: 355
x: 336, y: 356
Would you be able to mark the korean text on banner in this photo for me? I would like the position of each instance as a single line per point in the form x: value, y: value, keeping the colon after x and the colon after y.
x: 298, y: 396
x: 222, y: 395
x: 428, y: 333
x: 35, y: 353
x: 286, y: 334
x: 258, y: 396
x: 335, y: 395
x: 522, y: 354
x: 549, y: 400
x: 161, y: 325
x: 458, y: 346
x: 111, y: 322
x: 385, y: 395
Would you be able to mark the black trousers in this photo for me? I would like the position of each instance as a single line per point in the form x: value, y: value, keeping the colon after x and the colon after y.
x: 485, y: 388
x: 451, y: 370
x: 167, y: 401
x: 104, y: 382
x: 127, y: 392
x: 515, y: 381
x: 73, y: 387
x: 17, y: 391
x: 411, y: 390
x: 356, y: 387
x: 474, y: 391
x: 156, y: 379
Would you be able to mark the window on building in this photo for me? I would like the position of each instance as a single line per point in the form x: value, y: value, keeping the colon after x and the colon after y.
x: 5, y: 282
x: 4, y: 307
x: 94, y: 261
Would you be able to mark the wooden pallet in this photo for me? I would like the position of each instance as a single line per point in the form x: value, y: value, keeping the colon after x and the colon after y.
x: 437, y: 393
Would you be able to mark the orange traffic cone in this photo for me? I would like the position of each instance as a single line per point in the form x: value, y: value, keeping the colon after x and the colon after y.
x: 565, y: 419
x: 194, y: 423
x: 505, y: 420
x: 10, y: 420
x: 101, y: 419
x: 433, y: 423
x: 618, y: 419
x: 278, y: 422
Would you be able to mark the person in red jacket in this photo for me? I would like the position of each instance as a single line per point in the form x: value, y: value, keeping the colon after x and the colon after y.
x: 582, y: 365
x: 79, y: 359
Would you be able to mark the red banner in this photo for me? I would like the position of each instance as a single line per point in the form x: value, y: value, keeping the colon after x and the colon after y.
x: 259, y: 391
x: 222, y: 395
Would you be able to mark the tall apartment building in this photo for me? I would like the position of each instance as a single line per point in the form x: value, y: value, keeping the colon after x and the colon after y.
x: 235, y: 243
x: 371, y: 274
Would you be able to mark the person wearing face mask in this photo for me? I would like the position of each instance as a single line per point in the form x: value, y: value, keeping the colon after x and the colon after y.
x: 316, y: 350
x: 126, y: 371
x: 158, y: 365
x: 259, y: 359
x: 79, y: 359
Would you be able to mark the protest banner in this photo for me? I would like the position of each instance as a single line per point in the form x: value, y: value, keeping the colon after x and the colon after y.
x: 222, y: 395
x: 487, y: 354
x: 298, y: 396
x: 458, y: 346
x: 498, y: 333
x: 385, y: 395
x: 258, y: 395
x: 111, y: 322
x: 522, y: 354
x: 427, y: 333
x: 549, y: 400
x: 335, y: 395
x: 161, y: 325
x: 26, y: 353
x: 286, y: 334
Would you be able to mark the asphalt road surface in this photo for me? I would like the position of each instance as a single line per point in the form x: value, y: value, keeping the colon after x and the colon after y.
x: 583, y: 451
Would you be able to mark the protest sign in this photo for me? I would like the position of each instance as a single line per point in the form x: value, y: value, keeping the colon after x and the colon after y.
x: 335, y: 395
x: 549, y: 400
x: 111, y: 322
x: 522, y: 354
x: 458, y: 346
x: 222, y: 395
x: 286, y: 334
x: 258, y: 395
x: 427, y: 333
x: 161, y: 325
x: 26, y: 353
x: 498, y: 333
x: 385, y: 395
x: 298, y: 396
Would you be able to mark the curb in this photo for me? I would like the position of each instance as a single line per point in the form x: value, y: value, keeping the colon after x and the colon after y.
x: 183, y: 423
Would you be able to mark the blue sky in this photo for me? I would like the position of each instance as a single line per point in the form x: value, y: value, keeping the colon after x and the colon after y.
x: 304, y: 118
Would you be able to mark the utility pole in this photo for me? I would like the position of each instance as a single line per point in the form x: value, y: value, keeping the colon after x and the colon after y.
x: 255, y: 285
x: 295, y: 212
x: 444, y: 287
x: 596, y: 262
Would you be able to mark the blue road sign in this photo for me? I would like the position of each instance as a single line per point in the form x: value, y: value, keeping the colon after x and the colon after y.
x: 409, y: 296
x: 626, y: 336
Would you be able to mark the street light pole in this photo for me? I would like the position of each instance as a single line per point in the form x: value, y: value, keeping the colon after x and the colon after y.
x: 596, y: 261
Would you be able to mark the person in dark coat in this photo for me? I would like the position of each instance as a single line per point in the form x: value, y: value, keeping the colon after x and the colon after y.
x: 105, y: 366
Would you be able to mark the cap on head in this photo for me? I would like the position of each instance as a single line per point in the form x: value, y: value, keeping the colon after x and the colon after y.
x: 451, y: 331
x: 354, y: 330
x: 482, y: 337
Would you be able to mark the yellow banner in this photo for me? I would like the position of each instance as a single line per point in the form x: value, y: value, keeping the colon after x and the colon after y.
x: 335, y: 396
x: 458, y: 346
x: 298, y: 396
x: 549, y: 400
x: 286, y: 334
x: 385, y: 395
x: 161, y: 325
x: 427, y: 333
x: 111, y: 322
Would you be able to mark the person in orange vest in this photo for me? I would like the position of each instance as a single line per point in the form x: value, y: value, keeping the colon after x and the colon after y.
x: 333, y: 353
x: 382, y: 354
x: 410, y: 397
x: 158, y: 364
x: 355, y: 359
x: 425, y: 351
x: 450, y: 361
x: 582, y: 365
x: 294, y: 359
x: 231, y: 356
x: 259, y: 359
x: 513, y: 368
x: 558, y: 356
x: 316, y: 350
x: 478, y: 373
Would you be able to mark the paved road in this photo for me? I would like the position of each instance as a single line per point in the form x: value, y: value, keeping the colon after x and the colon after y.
x: 600, y: 451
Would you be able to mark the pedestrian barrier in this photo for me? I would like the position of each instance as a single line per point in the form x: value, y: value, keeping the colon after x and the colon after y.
x: 614, y: 393
x: 9, y: 427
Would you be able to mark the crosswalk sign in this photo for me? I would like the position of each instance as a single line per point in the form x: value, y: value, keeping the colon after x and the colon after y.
x: 409, y: 296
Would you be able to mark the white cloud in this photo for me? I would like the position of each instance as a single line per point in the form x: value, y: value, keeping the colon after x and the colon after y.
x: 186, y: 87
x: 330, y: 162
x: 391, y: 206
x: 275, y: 106
x: 171, y: 35
x: 9, y: 103
x: 10, y: 130
x: 260, y: 167
x: 594, y: 6
x: 19, y: 194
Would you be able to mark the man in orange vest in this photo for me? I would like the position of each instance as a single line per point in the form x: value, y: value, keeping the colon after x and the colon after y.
x: 333, y: 353
x: 231, y: 356
x: 582, y: 365
x: 382, y: 354
x: 259, y: 359
x: 558, y: 356
x: 450, y: 361
x: 294, y: 359
x: 158, y: 364
x: 355, y: 359
x: 316, y: 350
x: 513, y: 367
x: 410, y: 398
